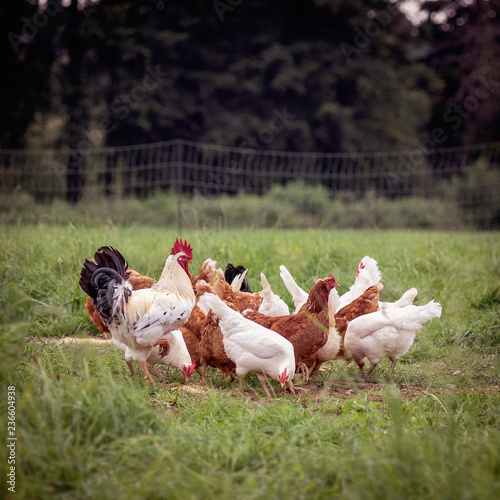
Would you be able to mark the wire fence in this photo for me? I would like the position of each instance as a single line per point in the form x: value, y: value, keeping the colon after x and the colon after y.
x: 470, y: 175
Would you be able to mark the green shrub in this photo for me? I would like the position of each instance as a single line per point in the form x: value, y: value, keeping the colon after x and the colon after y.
x: 296, y: 205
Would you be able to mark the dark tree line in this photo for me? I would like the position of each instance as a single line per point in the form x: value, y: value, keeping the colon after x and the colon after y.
x: 342, y: 76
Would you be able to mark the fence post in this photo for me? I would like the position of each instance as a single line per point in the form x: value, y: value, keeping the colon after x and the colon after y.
x: 178, y: 181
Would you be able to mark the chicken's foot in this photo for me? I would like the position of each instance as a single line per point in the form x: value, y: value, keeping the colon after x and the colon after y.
x: 302, y: 368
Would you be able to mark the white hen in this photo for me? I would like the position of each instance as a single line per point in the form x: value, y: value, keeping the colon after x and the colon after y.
x: 367, y: 275
x: 171, y: 350
x: 272, y: 305
x: 332, y: 347
x: 252, y: 347
x: 386, y: 334
x: 406, y: 300
x: 299, y: 296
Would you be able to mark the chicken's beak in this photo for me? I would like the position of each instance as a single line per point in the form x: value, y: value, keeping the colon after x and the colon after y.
x: 188, y: 370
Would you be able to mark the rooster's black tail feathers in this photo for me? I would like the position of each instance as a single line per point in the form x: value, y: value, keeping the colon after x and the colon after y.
x: 112, y: 265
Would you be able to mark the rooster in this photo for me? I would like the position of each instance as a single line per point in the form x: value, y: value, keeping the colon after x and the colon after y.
x: 387, y: 333
x: 139, y: 318
x: 252, y: 347
x: 307, y: 329
x: 138, y: 282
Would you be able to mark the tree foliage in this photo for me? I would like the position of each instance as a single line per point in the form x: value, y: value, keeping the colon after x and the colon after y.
x: 324, y: 75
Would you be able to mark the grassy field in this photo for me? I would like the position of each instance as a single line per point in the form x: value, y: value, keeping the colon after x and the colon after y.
x: 86, y: 430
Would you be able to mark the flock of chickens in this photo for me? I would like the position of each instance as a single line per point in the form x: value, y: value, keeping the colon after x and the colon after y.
x: 214, y: 319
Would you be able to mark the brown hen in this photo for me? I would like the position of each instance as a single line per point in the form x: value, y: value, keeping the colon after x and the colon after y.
x: 240, y: 300
x: 307, y: 330
x: 211, y: 348
x: 366, y: 303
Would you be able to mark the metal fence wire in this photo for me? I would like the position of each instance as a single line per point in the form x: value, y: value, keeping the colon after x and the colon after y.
x: 209, y: 170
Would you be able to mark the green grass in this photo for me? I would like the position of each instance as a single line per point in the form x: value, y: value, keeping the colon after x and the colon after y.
x: 87, y: 430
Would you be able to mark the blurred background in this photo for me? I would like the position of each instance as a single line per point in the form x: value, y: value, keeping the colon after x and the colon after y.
x: 271, y: 113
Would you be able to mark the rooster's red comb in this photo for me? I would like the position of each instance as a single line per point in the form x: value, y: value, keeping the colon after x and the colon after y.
x: 182, y: 246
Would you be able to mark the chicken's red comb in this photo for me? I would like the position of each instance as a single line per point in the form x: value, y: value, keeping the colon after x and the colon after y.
x: 361, y: 266
x: 335, y: 284
x: 182, y: 246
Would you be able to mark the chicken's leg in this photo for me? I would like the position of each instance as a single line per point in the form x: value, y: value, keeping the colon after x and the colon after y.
x: 131, y: 368
x: 147, y: 375
x: 157, y: 373
x: 262, y: 379
x: 240, y: 383
x: 367, y: 374
x: 202, y: 374
x: 394, y: 361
